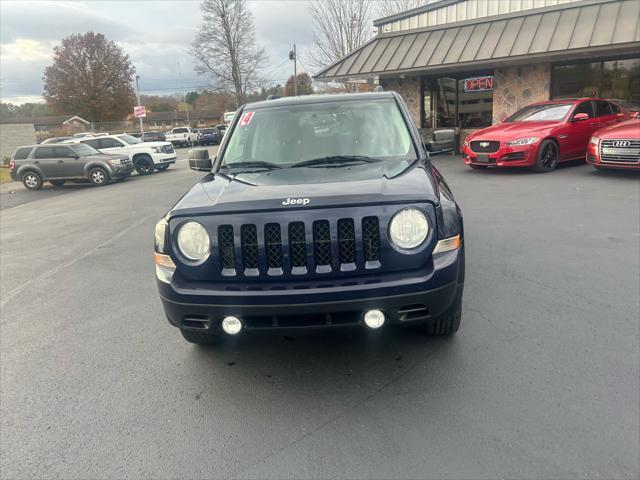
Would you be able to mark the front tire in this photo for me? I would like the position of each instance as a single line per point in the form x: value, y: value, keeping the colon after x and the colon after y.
x: 200, y: 338
x: 98, y: 176
x: 32, y: 181
x: 144, y: 165
x: 547, y: 158
x: 446, y: 324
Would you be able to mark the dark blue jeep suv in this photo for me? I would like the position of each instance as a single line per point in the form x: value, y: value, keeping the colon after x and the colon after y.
x: 318, y: 212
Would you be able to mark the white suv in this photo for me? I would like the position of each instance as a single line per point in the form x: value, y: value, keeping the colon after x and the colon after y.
x: 146, y: 156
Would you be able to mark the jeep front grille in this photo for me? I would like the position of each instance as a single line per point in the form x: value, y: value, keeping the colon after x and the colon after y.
x: 299, y: 248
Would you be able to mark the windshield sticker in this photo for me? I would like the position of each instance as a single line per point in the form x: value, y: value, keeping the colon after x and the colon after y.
x: 246, y: 118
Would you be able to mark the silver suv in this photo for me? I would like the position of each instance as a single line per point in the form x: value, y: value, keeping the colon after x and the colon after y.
x: 35, y: 164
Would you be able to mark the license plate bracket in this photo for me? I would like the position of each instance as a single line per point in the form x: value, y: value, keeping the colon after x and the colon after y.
x: 483, y: 159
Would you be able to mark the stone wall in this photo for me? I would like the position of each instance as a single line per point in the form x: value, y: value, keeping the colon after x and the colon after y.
x: 516, y: 87
x: 409, y: 88
x: 13, y: 136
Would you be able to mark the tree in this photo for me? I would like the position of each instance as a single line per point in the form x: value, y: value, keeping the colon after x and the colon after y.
x: 386, y: 8
x: 304, y: 85
x: 339, y: 27
x: 90, y: 77
x: 191, y: 97
x: 225, y: 49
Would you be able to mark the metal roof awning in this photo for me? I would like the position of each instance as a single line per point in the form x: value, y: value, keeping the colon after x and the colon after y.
x: 547, y: 34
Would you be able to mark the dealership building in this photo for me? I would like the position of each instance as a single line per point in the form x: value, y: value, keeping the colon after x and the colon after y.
x: 466, y: 64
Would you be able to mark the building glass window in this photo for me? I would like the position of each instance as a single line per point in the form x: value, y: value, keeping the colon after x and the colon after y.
x: 615, y: 79
x: 446, y: 104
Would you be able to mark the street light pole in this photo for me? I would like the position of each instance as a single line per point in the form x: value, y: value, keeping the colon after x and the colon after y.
x: 293, y: 56
x: 138, y: 95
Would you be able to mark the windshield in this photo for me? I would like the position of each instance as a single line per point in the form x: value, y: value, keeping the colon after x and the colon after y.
x: 129, y: 139
x: 84, y: 150
x: 344, y: 131
x: 541, y: 113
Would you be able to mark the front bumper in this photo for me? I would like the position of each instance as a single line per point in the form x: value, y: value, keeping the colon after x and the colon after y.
x: 164, y: 158
x: 414, y: 301
x: 120, y: 171
x: 516, y: 156
x: 593, y: 159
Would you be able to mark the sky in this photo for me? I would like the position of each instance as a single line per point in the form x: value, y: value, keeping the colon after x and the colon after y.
x: 156, y: 35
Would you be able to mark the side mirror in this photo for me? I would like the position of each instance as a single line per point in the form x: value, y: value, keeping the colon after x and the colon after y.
x: 580, y: 117
x: 199, y: 160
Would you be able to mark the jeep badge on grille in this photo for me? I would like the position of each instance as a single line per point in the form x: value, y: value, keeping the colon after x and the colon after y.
x: 295, y: 201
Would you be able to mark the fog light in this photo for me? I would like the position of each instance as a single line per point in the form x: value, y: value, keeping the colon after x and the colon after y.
x: 231, y: 325
x: 374, y: 319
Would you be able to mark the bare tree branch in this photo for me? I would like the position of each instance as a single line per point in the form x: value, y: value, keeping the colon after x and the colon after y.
x: 225, y: 50
x: 339, y: 27
x: 386, y: 8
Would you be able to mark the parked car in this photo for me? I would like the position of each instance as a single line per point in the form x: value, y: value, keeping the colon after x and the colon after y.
x: 617, y: 146
x: 297, y: 226
x: 55, y: 140
x: 83, y: 134
x: 154, y: 136
x: 222, y: 128
x: 184, y: 136
x: 541, y: 135
x: 209, y: 136
x: 146, y: 156
x: 35, y: 164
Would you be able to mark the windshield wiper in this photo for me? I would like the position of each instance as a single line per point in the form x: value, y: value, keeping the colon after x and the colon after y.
x: 250, y: 165
x: 335, y: 160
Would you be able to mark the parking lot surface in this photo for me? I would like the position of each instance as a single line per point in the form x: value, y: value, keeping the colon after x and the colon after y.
x: 541, y: 381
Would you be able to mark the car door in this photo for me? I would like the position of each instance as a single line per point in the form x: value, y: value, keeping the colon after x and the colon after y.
x: 580, y: 131
x: 605, y: 113
x: 45, y: 159
x: 69, y: 161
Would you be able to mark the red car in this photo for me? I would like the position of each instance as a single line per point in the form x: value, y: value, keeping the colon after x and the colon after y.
x: 616, y: 147
x: 542, y: 134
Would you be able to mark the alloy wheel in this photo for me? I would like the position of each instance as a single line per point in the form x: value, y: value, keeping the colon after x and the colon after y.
x: 550, y: 156
x: 31, y: 180
x: 98, y: 177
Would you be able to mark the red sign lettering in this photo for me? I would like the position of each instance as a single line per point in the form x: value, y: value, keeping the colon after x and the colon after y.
x: 478, y: 84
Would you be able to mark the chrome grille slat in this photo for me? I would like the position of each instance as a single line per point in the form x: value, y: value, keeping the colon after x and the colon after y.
x: 627, y: 154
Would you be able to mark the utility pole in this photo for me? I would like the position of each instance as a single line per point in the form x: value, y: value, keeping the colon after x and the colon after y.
x: 138, y: 95
x: 293, y: 56
x: 184, y: 96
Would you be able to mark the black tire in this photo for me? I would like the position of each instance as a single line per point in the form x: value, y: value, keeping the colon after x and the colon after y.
x: 162, y: 168
x: 478, y: 167
x: 144, y: 165
x: 32, y: 180
x: 57, y: 183
x: 446, y: 324
x: 200, y: 338
x: 98, y: 176
x: 548, y: 155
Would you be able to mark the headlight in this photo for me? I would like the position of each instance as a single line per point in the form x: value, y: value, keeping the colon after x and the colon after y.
x: 193, y: 241
x: 594, y: 140
x: 522, y: 141
x: 157, y: 149
x: 408, y: 228
x: 160, y: 235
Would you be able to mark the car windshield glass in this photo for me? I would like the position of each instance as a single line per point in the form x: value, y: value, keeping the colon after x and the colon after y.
x: 292, y: 134
x: 541, y: 113
x: 83, y: 149
x: 129, y: 139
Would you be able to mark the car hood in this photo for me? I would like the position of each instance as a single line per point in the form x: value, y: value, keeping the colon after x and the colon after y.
x: 218, y: 193
x: 103, y: 157
x: 513, y: 130
x: 628, y: 130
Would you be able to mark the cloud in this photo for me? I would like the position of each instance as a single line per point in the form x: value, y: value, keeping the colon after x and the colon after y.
x: 155, y: 35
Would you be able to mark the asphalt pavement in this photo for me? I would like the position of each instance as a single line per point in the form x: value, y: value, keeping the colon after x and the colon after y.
x: 541, y: 381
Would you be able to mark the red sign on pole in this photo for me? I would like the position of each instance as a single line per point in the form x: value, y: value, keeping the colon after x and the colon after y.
x: 139, y: 112
x: 478, y: 84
